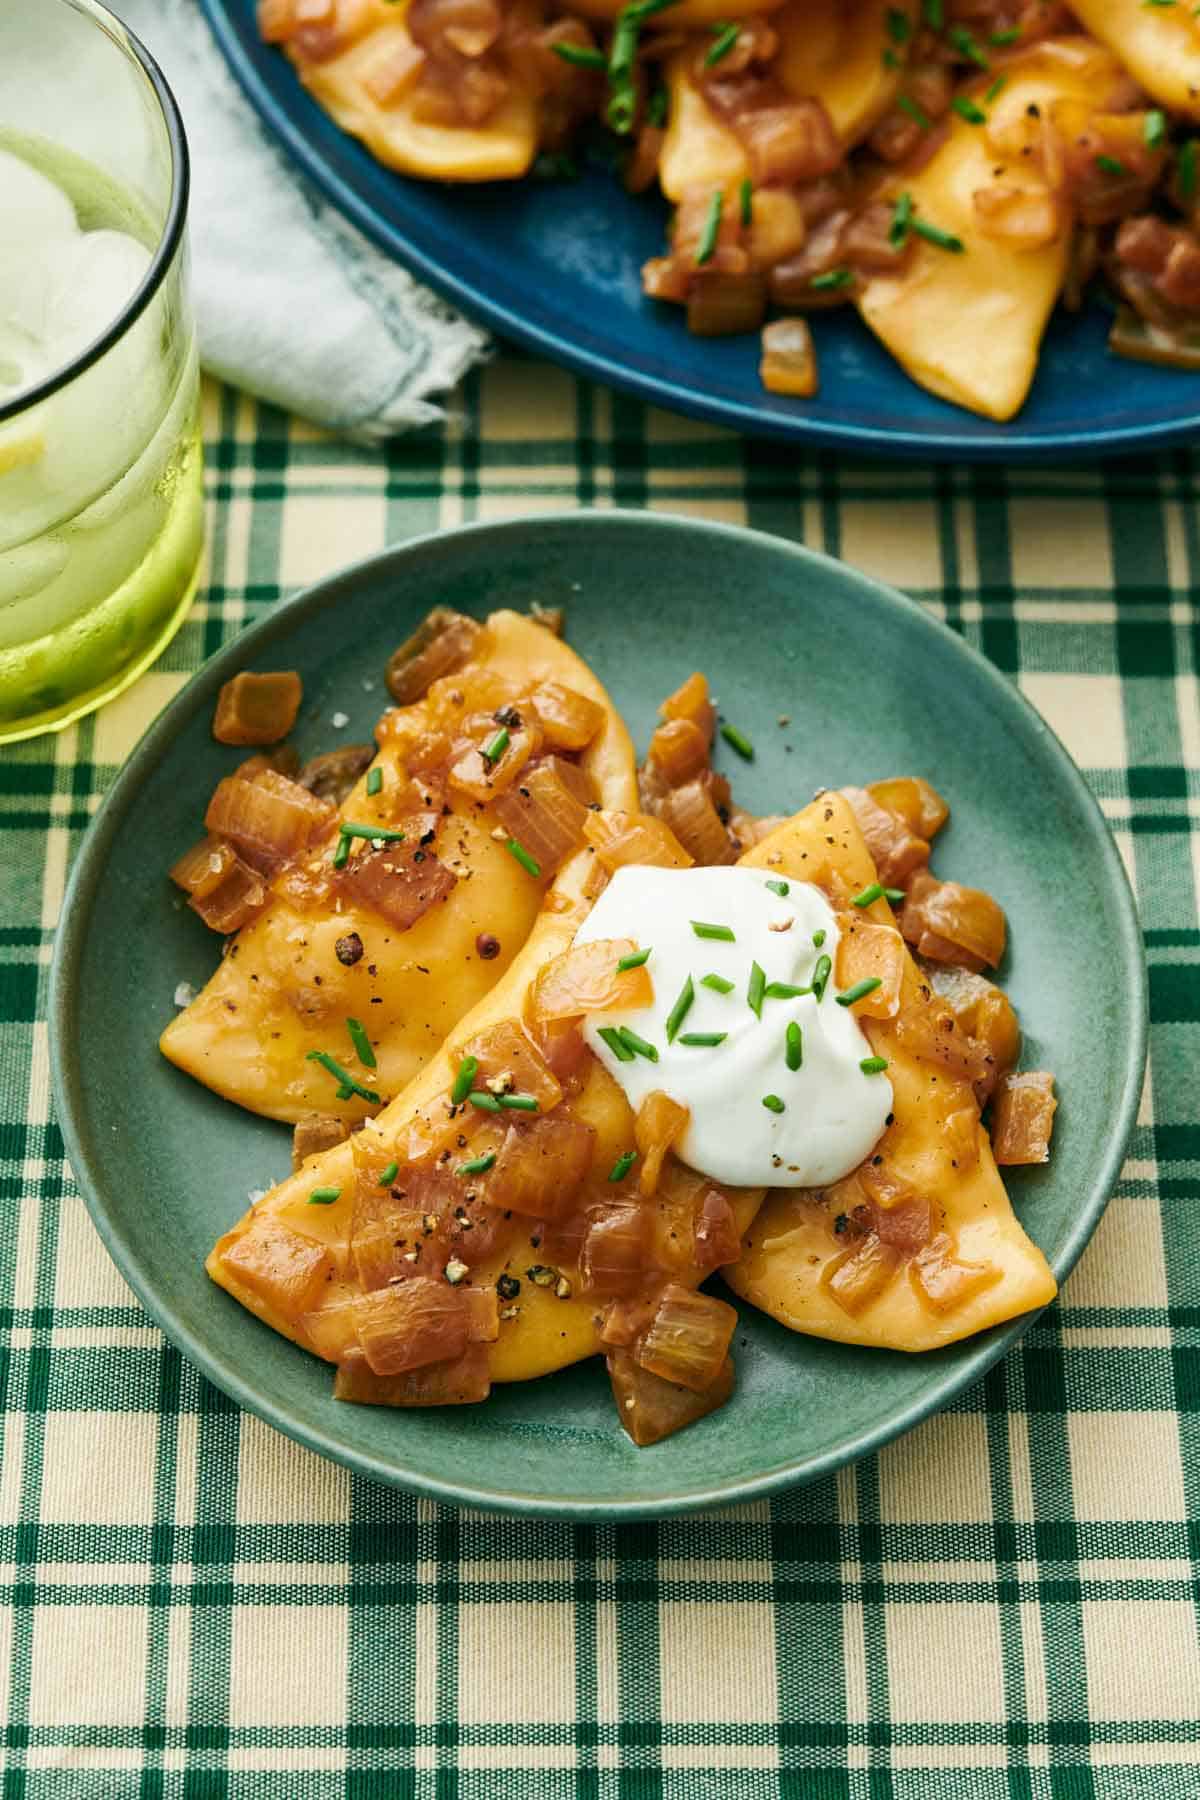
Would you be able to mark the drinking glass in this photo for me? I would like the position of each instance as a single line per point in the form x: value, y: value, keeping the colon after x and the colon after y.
x: 101, y: 479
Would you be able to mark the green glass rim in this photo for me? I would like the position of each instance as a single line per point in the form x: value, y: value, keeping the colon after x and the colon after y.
x: 170, y: 238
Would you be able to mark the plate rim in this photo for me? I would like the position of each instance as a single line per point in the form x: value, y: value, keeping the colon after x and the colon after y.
x: 87, y: 873
x: 878, y: 441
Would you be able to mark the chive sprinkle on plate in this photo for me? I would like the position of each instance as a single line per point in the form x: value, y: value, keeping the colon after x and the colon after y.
x: 622, y: 1166
x: 634, y: 960
x: 362, y: 1043
x: 737, y: 740
x: 637, y: 1044
x: 756, y: 989
x: 468, y: 1068
x: 345, y: 1079
x: 374, y: 780
x: 773, y: 1103
x: 484, y: 1101
x: 681, y: 1009
x: 717, y: 983
x: 821, y: 974
x: 869, y: 895
x: 616, y: 1043
x: 720, y: 933
x: 519, y: 1102
x: 873, y: 1065
x: 478, y: 1165
x: 794, y: 1046
x: 860, y: 990
x: 703, y: 1040
x: 388, y: 1175
x: 324, y: 1196
x: 521, y: 855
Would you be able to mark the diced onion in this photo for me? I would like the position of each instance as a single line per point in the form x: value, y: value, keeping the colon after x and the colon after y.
x: 789, y: 359
x: 442, y: 643
x: 268, y: 820
x: 619, y: 838
x: 690, y: 814
x: 612, y: 1259
x: 660, y: 1123
x: 678, y: 750
x: 690, y: 701
x: 950, y: 923
x: 540, y: 1166
x: 506, y: 1050
x: 544, y: 816
x: 1023, y: 1118
x: 316, y: 1132
x: 651, y: 1409
x: 459, y: 1381
x: 400, y: 881
x: 409, y: 1324
x: 585, y: 979
x: 914, y: 800
x: 257, y: 709
x: 688, y: 1338
x: 278, y: 1267
x: 867, y: 951
x: 238, y: 898
x: 858, y: 1276
x: 483, y: 778
x: 896, y: 849
x: 569, y: 720
x: 942, y: 1281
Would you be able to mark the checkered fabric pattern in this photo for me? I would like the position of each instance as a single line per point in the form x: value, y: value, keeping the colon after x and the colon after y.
x: 1003, y: 1606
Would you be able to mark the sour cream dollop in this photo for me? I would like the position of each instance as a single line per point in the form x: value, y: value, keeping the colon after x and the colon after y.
x: 832, y: 1113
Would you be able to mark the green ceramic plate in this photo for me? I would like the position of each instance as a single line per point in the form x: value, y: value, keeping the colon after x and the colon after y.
x: 874, y: 686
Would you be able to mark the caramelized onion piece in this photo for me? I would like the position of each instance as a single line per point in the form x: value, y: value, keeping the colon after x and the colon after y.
x: 1023, y: 1118
x: 726, y: 302
x: 442, y: 643
x: 257, y: 709
x: 984, y: 1012
x: 867, y: 951
x: 585, y: 979
x: 690, y: 701
x: 651, y: 1409
x: 459, y: 1381
x: 316, y: 1132
x: 942, y: 1282
x: 689, y: 813
x: 540, y: 1165
x: 914, y: 800
x: 678, y: 750
x: 410, y: 1324
x: 506, y: 1053
x: 612, y: 1258
x: 569, y: 721
x: 788, y: 364
x: 238, y: 897
x: 544, y: 816
x: 1024, y: 218
x: 620, y: 837
x: 859, y: 1275
x: 929, y: 1031
x: 896, y: 849
x: 400, y: 881
x: 204, y: 867
x: 280, y: 1267
x: 947, y: 922
x: 688, y: 1338
x: 331, y: 775
x: 483, y: 778
x: 659, y: 1124
x: 715, y: 1240
x: 268, y: 820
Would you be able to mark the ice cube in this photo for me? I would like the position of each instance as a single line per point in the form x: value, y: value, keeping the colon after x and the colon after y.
x: 92, y: 279
x: 35, y: 219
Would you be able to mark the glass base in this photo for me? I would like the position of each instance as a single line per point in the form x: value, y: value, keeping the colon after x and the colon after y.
x: 58, y: 718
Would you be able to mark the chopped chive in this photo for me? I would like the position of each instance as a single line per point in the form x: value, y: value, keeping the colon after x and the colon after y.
x: 341, y: 852
x: 343, y: 1092
x: 349, y: 829
x: 621, y: 109
x: 484, y: 1101
x: 519, y: 1102
x: 935, y: 14
x: 901, y: 218
x: 899, y: 28
x: 893, y: 896
x: 873, y: 1065
x: 995, y: 88
x: 362, y: 1043
x: 499, y: 744
x: 1001, y: 38
x: 859, y: 991
x: 746, y: 200
x: 622, y: 1166
x: 637, y: 1044
x: 616, y: 1043
x: 634, y: 961
x: 794, y: 1041
x: 889, y: 58
x: 783, y: 990
x: 1154, y: 130
x: 656, y: 108
x: 933, y: 234
x: 468, y: 1068
x: 818, y: 939
x: 1110, y: 165
x: 821, y: 974
x: 345, y: 1078
x: 966, y: 46
x: 756, y: 988
x: 869, y: 894
x: 374, y: 779
x: 581, y: 55
x: 722, y: 933
x: 703, y: 1040
x: 388, y: 1175
x: 324, y: 1196
x: 908, y: 105
x: 717, y: 983
x: 779, y: 887
x: 831, y: 279
x: 967, y: 109
x: 773, y: 1103
x: 645, y: 9
x: 727, y: 36
x: 1185, y: 170
x: 738, y: 741
x: 712, y: 225
x: 681, y: 1009
x: 478, y: 1165
x: 521, y: 855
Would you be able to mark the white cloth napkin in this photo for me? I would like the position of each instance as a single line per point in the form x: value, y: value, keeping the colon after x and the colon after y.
x: 292, y: 302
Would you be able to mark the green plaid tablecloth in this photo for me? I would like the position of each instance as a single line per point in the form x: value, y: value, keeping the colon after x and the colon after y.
x: 1004, y: 1604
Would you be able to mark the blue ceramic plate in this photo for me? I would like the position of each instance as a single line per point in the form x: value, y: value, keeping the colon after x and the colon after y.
x: 555, y: 266
x: 165, y: 1166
